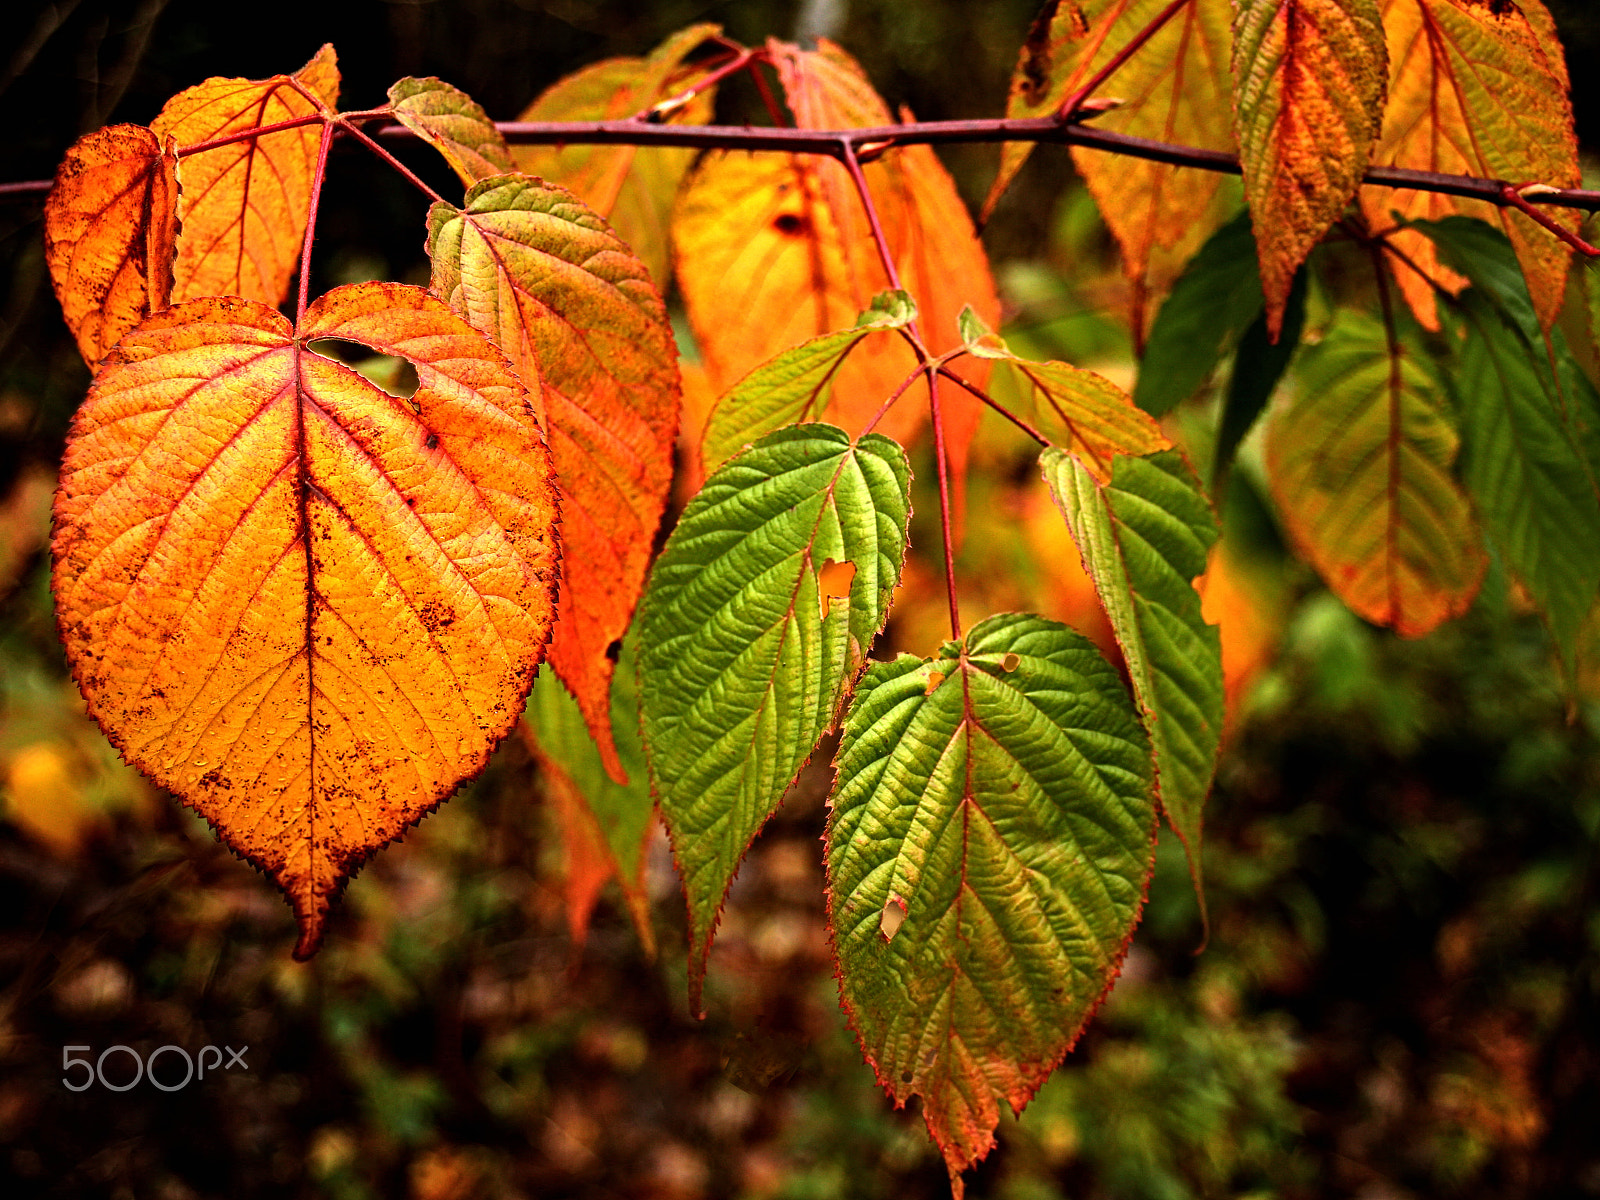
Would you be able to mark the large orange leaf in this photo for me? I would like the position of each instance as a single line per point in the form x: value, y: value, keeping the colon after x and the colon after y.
x: 632, y: 187
x: 551, y: 284
x: 774, y: 249
x: 244, y: 205
x: 1173, y: 89
x: 307, y: 607
x: 109, y: 226
x: 1310, y: 78
x: 1476, y: 87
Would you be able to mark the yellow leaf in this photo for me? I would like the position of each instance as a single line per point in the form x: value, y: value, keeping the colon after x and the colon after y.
x: 454, y: 124
x: 243, y: 206
x: 1475, y: 88
x: 109, y: 226
x: 307, y: 607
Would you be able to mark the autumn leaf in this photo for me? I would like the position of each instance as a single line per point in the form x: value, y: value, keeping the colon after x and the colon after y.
x: 744, y: 661
x: 243, y: 206
x: 997, y: 799
x: 775, y: 249
x: 307, y: 607
x: 1144, y: 538
x: 550, y: 284
x: 633, y: 187
x: 604, y: 824
x: 454, y: 124
x: 1360, y: 462
x: 1475, y: 88
x: 109, y: 227
x: 795, y: 386
x: 1309, y: 81
x: 1172, y: 90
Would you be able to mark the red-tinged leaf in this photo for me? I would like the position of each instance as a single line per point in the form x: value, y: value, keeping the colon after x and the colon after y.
x: 552, y: 285
x: 773, y: 250
x: 1310, y: 78
x: 454, y: 124
x: 632, y: 187
x: 1476, y: 87
x: 109, y: 226
x: 1172, y: 89
x: 1360, y: 463
x: 989, y: 843
x: 243, y: 206
x: 307, y: 607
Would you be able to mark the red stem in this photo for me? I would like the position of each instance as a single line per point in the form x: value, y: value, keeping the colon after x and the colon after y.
x: 996, y: 405
x: 659, y: 112
x: 362, y: 136
x: 774, y: 109
x: 1515, y: 198
x: 889, y: 403
x: 311, y: 224
x: 943, y: 460
x: 1069, y: 106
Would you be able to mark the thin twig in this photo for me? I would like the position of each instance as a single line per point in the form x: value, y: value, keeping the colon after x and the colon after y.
x: 416, y: 180
x: 942, y: 460
x: 1514, y: 197
x: 996, y: 405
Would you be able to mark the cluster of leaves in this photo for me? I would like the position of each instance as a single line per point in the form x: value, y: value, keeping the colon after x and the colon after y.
x: 310, y: 601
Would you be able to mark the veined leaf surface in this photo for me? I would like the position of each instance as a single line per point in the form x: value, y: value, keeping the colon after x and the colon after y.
x: 1144, y: 538
x: 550, y: 283
x: 1475, y: 88
x: 307, y: 607
x: 633, y: 187
x: 997, y: 797
x: 744, y: 660
x: 797, y: 385
x: 1360, y: 462
x: 1309, y: 78
x: 602, y: 821
x: 109, y: 227
x: 243, y: 206
x: 773, y: 249
x: 454, y: 124
x: 1172, y: 90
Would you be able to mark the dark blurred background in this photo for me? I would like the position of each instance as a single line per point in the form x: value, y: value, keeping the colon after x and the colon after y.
x: 1401, y: 992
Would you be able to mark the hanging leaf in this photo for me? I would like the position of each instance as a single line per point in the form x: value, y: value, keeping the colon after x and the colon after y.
x: 243, y: 206
x: 989, y: 843
x: 633, y: 187
x: 1172, y: 89
x: 744, y: 661
x: 1309, y: 83
x: 550, y: 283
x: 454, y: 124
x: 109, y: 227
x: 774, y: 249
x: 603, y: 820
x: 1360, y: 463
x: 1144, y: 539
x: 1475, y: 88
x: 797, y: 385
x: 1257, y: 369
x: 307, y: 607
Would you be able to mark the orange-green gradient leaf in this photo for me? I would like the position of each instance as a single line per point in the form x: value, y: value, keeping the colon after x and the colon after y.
x: 774, y: 249
x: 633, y: 187
x: 989, y: 842
x: 109, y: 226
x: 552, y: 285
x: 243, y: 206
x: 454, y: 124
x: 307, y: 607
x: 1309, y: 80
x: 1476, y: 87
x: 1173, y: 89
x: 1361, y: 463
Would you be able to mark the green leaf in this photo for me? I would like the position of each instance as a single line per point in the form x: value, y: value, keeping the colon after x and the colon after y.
x: 1143, y: 539
x: 1257, y: 368
x: 452, y: 123
x: 1525, y: 465
x: 1360, y: 465
x: 989, y: 842
x: 619, y: 812
x: 1213, y: 302
x: 796, y: 385
x: 744, y: 661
